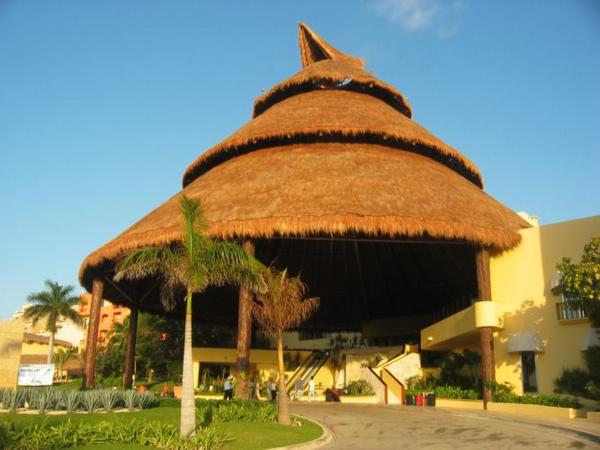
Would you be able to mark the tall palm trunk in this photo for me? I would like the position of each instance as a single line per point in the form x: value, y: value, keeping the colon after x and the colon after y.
x: 188, y: 411
x: 284, y: 407
x: 50, y: 347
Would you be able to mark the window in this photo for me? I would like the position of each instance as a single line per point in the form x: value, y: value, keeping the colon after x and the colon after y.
x: 529, y: 372
x: 566, y: 310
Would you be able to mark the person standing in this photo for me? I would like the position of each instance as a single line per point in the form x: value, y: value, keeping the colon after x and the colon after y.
x: 273, y: 390
x: 311, y: 389
x: 228, y: 387
x: 252, y: 389
x: 299, y: 385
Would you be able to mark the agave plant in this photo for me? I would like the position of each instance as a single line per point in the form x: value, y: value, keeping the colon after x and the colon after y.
x: 15, y: 399
x: 109, y: 399
x: 129, y: 398
x: 144, y: 400
x: 90, y: 401
x: 71, y: 400
x: 4, y: 393
x: 42, y: 399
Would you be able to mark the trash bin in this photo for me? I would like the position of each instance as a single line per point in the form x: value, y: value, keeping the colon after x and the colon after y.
x: 409, y: 399
x: 419, y: 400
x: 430, y: 399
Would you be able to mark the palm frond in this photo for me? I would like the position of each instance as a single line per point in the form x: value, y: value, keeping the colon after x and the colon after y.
x: 144, y: 262
x: 228, y: 263
x: 52, y: 304
x: 282, y: 305
x: 194, y: 223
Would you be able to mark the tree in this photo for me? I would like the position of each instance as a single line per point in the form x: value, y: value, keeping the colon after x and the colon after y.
x: 580, y: 283
x: 192, y: 264
x: 159, y: 348
x: 62, y: 356
x: 281, y: 306
x: 336, y: 362
x: 54, y: 304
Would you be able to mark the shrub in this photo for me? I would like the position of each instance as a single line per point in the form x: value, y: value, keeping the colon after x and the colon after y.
x: 359, y: 387
x: 592, y: 390
x: 235, y: 411
x: 572, y: 381
x: 503, y: 393
x: 456, y: 392
x: 69, y: 434
x: 592, y: 359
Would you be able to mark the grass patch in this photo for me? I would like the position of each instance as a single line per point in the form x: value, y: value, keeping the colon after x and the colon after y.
x: 246, y: 436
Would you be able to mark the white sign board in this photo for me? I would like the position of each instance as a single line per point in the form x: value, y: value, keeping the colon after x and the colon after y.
x: 35, y: 374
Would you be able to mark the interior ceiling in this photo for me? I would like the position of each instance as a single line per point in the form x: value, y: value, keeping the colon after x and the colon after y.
x: 356, y: 279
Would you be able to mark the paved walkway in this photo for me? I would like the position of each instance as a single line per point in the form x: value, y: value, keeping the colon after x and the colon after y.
x: 408, y: 427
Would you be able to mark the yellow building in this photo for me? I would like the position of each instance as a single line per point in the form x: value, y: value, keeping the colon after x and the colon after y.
x: 536, y: 336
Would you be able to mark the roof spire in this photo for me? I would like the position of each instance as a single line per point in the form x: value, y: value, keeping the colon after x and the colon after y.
x: 314, y: 48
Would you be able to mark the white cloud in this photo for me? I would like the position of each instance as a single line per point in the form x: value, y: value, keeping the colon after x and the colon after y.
x: 415, y: 15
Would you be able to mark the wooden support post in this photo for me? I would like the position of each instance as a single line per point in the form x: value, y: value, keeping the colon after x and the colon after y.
x: 244, y: 334
x: 488, y: 363
x: 92, y: 333
x: 130, y: 349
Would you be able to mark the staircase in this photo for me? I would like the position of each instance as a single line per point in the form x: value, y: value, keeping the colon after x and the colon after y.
x: 307, y: 369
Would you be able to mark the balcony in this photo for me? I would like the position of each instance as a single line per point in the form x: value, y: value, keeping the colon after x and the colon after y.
x: 461, y: 328
x: 566, y: 312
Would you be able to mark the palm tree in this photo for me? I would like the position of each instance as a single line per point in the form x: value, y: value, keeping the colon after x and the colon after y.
x: 62, y: 356
x: 336, y: 361
x: 52, y: 305
x: 278, y: 308
x: 193, y: 264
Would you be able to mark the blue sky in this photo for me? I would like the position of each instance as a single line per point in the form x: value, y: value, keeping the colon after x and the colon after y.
x: 103, y: 104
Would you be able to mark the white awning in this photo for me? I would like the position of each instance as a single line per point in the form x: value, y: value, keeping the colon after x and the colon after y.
x: 590, y: 339
x: 525, y: 341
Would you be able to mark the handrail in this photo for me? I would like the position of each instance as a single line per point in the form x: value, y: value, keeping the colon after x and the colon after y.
x: 300, y: 367
x: 398, y: 382
x: 383, y: 383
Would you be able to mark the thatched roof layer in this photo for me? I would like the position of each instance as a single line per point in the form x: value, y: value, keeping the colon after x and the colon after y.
x: 333, y: 115
x: 333, y: 74
x: 331, y: 189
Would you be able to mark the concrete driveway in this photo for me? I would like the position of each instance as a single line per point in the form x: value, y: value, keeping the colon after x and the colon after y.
x: 408, y: 427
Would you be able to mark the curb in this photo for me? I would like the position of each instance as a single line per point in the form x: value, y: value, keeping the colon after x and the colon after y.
x: 322, y: 440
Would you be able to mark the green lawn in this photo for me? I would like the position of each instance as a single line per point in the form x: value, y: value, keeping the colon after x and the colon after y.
x: 247, y: 436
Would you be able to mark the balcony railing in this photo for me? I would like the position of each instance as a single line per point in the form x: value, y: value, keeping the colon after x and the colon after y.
x: 564, y: 311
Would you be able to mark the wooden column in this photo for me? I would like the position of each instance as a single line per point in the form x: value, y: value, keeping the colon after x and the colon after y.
x: 488, y: 363
x: 92, y: 333
x: 130, y: 349
x: 244, y: 334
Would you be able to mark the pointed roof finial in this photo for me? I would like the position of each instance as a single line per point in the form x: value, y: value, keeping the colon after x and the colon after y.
x: 314, y: 48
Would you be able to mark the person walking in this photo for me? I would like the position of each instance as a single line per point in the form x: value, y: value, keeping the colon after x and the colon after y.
x: 311, y: 389
x: 228, y: 387
x: 299, y: 385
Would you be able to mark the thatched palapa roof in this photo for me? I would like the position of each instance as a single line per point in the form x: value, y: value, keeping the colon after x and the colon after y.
x: 332, y: 151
